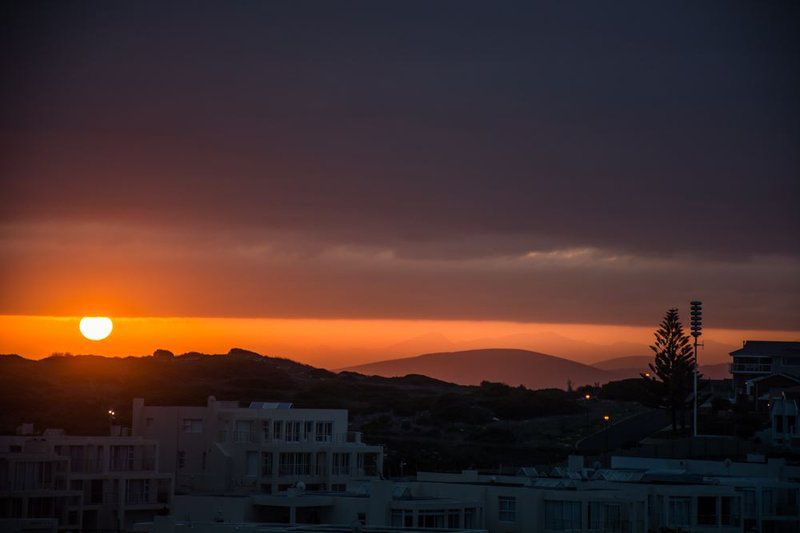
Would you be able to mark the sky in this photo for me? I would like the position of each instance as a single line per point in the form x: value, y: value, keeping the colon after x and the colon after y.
x: 436, y: 166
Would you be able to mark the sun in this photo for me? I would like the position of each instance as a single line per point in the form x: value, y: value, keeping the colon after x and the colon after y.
x: 96, y: 328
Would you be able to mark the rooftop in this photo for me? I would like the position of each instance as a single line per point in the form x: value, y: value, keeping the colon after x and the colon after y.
x: 769, y: 348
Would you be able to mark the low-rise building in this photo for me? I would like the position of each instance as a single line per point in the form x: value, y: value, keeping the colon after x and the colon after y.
x: 759, y: 359
x: 632, y: 495
x: 266, y: 447
x: 84, y: 483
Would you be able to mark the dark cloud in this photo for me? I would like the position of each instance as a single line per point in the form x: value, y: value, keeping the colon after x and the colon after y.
x: 438, y: 131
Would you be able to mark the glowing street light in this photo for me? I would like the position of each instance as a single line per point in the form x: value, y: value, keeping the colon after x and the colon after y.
x: 587, y: 396
x: 606, y: 418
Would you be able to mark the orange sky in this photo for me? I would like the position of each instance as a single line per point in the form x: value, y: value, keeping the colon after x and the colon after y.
x: 338, y: 343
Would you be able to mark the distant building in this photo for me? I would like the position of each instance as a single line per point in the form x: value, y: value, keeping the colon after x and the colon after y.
x: 784, y: 430
x: 759, y: 359
x: 80, y: 483
x: 268, y: 447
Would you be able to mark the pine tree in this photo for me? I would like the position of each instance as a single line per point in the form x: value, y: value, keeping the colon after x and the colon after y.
x: 670, y: 380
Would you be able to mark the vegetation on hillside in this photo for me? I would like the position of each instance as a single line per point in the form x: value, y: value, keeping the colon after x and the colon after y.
x: 424, y: 423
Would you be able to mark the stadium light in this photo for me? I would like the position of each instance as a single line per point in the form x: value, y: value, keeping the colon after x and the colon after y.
x: 696, y: 322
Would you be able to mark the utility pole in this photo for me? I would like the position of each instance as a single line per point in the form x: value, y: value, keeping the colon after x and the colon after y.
x: 697, y: 327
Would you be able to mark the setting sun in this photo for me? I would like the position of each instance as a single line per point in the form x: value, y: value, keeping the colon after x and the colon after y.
x: 96, y: 328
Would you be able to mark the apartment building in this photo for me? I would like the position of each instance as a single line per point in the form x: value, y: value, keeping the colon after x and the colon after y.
x: 267, y: 447
x: 631, y: 495
x: 84, y: 483
x: 757, y: 360
x: 769, y: 489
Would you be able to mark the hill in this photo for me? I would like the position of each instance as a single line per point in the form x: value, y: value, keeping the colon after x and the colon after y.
x: 638, y: 362
x: 426, y: 422
x: 513, y: 367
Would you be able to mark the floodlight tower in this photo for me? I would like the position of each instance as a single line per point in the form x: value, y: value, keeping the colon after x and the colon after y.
x: 696, y: 314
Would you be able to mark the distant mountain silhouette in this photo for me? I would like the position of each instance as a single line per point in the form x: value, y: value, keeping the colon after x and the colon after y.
x: 638, y: 362
x: 513, y: 367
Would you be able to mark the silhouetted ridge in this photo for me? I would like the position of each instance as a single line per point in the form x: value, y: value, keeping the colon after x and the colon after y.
x: 471, y: 367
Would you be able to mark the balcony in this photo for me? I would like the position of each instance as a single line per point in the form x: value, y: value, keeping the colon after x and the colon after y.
x: 301, y: 470
x: 350, y: 437
x: 245, y: 436
x: 751, y: 368
x: 137, y: 498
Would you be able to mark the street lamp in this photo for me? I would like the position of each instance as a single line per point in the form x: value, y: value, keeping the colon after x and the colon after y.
x: 696, y: 314
x: 607, y: 420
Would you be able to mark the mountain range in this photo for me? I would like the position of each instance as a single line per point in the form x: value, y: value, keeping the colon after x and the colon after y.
x: 517, y: 367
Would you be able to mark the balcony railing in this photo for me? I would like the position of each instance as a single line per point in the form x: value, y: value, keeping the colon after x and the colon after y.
x: 753, y: 368
x: 86, y: 466
x: 137, y: 498
x: 245, y: 436
x: 301, y: 470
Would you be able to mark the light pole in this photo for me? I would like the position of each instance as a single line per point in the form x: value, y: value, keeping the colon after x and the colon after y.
x: 696, y: 313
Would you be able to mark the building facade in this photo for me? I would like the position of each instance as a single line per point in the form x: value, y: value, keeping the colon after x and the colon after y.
x: 266, y: 448
x: 84, y: 483
x: 632, y: 495
x: 759, y: 359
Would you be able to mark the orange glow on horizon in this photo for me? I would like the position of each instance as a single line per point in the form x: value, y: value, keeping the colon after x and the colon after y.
x: 339, y: 343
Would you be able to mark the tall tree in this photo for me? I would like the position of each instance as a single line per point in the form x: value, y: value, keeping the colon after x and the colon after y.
x: 670, y: 379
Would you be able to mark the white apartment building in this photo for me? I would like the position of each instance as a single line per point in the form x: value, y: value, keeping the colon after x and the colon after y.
x: 265, y: 448
x: 84, y: 483
x: 633, y: 495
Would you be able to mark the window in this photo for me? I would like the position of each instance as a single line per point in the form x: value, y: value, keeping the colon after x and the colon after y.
x: 433, y: 518
x: 402, y: 518
x: 748, y: 502
x: 341, y: 464
x: 181, y: 459
x: 507, y: 508
x: 265, y: 424
x: 308, y: 430
x: 562, y: 515
x: 252, y: 464
x: 729, y: 511
x: 605, y: 516
x: 277, y: 426
x: 324, y: 431
x: 293, y: 431
x: 137, y: 491
x: 76, y: 459
x: 338, y: 487
x: 469, y: 518
x: 707, y: 510
x: 121, y: 458
x: 453, y: 516
x: 243, y: 431
x: 192, y: 425
x: 32, y: 475
x: 40, y: 507
x: 294, y: 463
x: 96, y: 491
x: 266, y: 464
x: 680, y: 511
